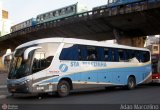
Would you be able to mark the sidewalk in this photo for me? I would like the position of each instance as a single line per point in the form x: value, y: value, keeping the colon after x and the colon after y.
x: 3, y: 72
x: 3, y: 85
x: 3, y: 77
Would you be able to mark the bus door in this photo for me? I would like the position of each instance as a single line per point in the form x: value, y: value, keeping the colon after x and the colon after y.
x: 39, y: 67
x: 36, y: 57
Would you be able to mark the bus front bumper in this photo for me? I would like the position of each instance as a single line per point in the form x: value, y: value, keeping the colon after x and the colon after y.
x: 44, y: 88
x: 15, y: 88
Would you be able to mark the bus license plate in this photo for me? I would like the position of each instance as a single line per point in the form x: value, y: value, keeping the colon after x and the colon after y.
x: 13, y: 89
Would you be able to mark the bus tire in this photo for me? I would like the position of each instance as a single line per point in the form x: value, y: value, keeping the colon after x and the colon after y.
x: 12, y: 94
x: 131, y: 83
x: 63, y: 88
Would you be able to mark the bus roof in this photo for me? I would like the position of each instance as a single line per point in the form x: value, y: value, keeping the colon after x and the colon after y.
x: 79, y: 41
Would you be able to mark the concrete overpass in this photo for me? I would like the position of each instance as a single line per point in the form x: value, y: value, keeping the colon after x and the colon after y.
x: 128, y: 24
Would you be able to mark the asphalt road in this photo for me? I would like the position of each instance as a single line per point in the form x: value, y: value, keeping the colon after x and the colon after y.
x: 144, y: 94
x: 3, y: 77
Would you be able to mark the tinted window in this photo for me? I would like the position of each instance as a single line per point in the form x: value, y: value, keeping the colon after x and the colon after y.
x: 43, y: 57
x: 122, y: 55
x: 146, y: 56
x: 91, y: 53
x: 95, y: 53
x: 137, y: 56
x: 69, y: 52
x: 78, y: 52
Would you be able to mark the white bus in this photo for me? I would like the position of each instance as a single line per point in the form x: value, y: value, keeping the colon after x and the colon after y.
x: 64, y: 64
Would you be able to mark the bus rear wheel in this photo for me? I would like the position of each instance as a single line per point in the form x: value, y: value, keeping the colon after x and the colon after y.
x: 131, y: 83
x: 63, y: 88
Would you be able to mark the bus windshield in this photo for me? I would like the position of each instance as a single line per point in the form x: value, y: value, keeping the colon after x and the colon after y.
x: 19, y: 67
x: 38, y: 60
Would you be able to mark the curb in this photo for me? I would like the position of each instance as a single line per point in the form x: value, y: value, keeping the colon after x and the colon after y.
x: 2, y: 96
x: 3, y: 86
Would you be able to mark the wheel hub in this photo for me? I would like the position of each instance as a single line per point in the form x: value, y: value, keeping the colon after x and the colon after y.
x: 64, y: 88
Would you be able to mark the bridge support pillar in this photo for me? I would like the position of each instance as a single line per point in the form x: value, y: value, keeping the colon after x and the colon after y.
x: 129, y: 41
x: 135, y: 41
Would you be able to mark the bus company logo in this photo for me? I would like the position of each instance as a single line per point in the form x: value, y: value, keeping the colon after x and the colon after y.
x: 63, y: 67
x: 4, y: 106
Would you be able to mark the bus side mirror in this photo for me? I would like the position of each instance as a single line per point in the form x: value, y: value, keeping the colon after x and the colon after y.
x: 26, y: 52
x: 6, y: 57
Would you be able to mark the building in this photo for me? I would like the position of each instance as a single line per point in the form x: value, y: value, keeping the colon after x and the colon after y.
x: 154, y: 48
x: 5, y: 23
x: 153, y: 44
x: 152, y: 40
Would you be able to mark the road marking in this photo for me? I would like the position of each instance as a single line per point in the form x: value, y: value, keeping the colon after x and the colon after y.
x: 3, y: 96
x: 3, y: 86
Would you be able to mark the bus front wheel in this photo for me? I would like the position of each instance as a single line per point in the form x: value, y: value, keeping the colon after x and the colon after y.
x: 131, y: 83
x: 63, y: 88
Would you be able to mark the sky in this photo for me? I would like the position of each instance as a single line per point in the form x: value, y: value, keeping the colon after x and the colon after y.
x: 21, y: 10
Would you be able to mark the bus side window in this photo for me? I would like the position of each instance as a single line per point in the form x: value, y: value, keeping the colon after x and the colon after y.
x: 141, y: 57
x: 138, y: 56
x: 69, y: 52
x: 133, y: 56
x: 48, y: 60
x: 100, y: 54
x: 116, y: 55
x: 146, y: 56
x: 110, y: 55
x: 82, y: 52
x: 122, y: 55
x: 92, y: 53
x: 129, y: 53
x: 38, y: 62
x: 106, y: 54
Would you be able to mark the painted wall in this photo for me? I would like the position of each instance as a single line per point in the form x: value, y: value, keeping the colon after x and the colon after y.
x: 5, y: 23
